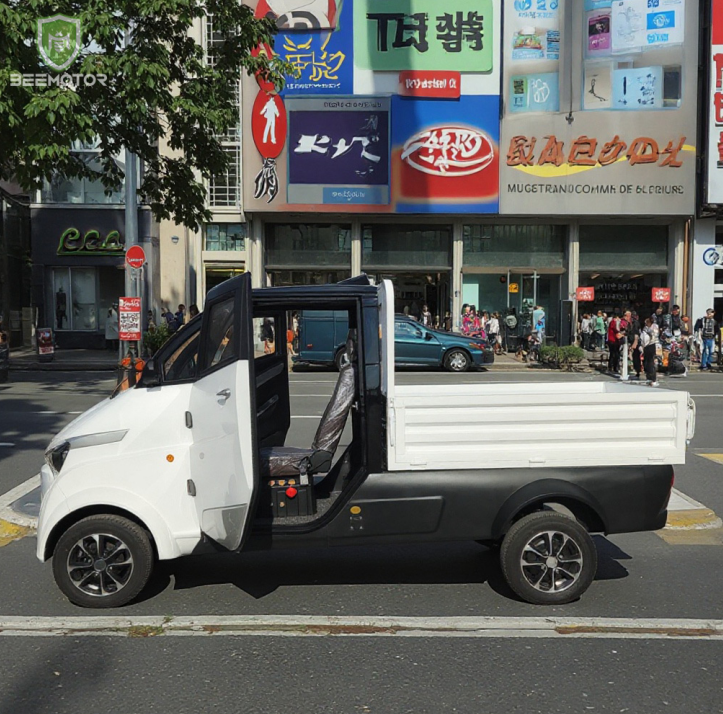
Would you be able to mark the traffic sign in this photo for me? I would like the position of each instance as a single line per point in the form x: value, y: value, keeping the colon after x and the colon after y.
x: 135, y: 256
x: 129, y: 319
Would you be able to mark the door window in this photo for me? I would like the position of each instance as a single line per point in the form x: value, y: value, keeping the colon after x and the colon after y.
x: 220, y: 343
x: 264, y: 337
x: 407, y: 330
x: 183, y: 361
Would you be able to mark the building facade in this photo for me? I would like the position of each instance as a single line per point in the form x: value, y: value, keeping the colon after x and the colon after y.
x: 545, y: 159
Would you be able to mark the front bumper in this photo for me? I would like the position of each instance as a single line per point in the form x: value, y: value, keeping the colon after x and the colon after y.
x: 47, y: 477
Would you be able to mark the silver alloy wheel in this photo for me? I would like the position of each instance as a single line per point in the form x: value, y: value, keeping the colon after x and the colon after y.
x: 551, y: 562
x: 100, y: 564
x: 458, y: 361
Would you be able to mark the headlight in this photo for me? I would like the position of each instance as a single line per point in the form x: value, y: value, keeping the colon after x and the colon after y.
x: 55, y: 458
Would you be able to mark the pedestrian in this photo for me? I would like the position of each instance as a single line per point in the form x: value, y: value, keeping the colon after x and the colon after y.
x: 586, y: 331
x: 111, y: 327
x: 447, y: 321
x: 599, y: 330
x: 426, y: 317
x: 632, y: 332
x: 650, y: 338
x: 193, y: 311
x: 267, y: 336
x: 180, y: 316
x: 614, y: 344
x: 150, y: 321
x: 4, y: 357
x: 493, y: 332
x: 708, y: 328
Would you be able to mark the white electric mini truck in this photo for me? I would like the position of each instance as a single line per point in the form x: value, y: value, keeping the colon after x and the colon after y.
x: 194, y: 458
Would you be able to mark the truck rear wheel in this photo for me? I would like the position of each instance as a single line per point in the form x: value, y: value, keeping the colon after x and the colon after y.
x: 548, y: 558
x: 103, y: 561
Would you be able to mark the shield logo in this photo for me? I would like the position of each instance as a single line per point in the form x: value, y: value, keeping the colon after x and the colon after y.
x: 59, y: 41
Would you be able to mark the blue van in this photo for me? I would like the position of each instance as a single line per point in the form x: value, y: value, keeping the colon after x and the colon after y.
x: 322, y: 336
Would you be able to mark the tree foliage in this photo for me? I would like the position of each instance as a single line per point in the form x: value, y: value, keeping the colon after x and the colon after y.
x: 158, y: 87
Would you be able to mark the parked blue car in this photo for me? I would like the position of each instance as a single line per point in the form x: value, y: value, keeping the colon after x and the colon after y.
x: 322, y: 335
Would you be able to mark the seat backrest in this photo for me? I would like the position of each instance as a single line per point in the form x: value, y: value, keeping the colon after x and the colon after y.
x: 335, y: 415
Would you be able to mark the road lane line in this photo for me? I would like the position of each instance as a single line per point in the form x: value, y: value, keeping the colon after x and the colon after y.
x: 324, y: 626
x: 7, y: 499
x: 6, y: 443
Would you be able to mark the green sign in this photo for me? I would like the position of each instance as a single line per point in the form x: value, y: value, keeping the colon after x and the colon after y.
x: 423, y: 34
x: 73, y: 242
x: 59, y: 41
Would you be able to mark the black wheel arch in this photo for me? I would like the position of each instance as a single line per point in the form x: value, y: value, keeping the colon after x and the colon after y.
x: 96, y: 510
x: 544, y: 493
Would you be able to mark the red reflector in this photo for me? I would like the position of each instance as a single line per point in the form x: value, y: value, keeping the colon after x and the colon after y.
x: 291, y: 492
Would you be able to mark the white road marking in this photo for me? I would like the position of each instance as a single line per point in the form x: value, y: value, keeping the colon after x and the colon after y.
x: 6, y: 443
x: 323, y: 626
x: 6, y: 499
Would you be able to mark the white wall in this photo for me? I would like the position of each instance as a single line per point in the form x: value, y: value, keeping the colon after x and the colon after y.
x: 702, y: 275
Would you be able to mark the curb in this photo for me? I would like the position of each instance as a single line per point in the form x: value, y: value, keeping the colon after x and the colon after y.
x: 693, y: 519
x: 11, y: 519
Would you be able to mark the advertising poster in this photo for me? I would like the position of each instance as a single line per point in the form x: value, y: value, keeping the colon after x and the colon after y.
x: 423, y: 34
x: 323, y: 58
x: 599, y: 39
x: 445, y: 155
x: 597, y: 5
x: 638, y: 88
x: 598, y: 88
x: 129, y: 319
x: 535, y: 93
x: 715, y: 116
x: 338, y: 150
x: 638, y: 24
x: 535, y: 29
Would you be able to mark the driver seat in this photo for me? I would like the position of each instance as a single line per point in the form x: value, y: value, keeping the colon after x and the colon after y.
x: 280, y: 461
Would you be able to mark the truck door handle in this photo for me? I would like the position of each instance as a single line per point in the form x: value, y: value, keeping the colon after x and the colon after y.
x: 225, y: 393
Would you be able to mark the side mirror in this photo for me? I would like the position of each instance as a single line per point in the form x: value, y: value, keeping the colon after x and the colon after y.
x: 428, y: 336
x: 150, y: 377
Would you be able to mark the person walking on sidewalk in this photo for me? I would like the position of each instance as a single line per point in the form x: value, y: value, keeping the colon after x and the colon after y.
x: 586, y: 331
x: 599, y: 330
x: 632, y: 332
x: 112, y: 328
x: 616, y: 333
x: 650, y: 337
x: 708, y: 328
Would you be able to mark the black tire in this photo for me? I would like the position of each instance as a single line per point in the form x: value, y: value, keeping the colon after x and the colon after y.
x: 339, y: 358
x: 556, y: 586
x: 457, y: 361
x: 116, y: 580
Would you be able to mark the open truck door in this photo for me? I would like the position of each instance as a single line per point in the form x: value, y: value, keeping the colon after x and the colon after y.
x: 223, y: 468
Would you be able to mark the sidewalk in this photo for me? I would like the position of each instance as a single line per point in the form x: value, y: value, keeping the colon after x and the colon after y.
x: 25, y: 358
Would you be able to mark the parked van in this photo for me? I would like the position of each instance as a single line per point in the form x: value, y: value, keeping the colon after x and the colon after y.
x: 195, y: 459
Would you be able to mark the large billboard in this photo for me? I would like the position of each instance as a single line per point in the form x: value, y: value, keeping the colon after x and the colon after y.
x: 396, y: 110
x: 714, y: 194
x: 614, y: 133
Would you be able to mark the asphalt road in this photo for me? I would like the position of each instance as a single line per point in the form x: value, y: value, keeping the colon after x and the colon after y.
x: 640, y: 575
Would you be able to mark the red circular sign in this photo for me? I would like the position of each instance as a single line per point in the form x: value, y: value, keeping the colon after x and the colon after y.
x: 268, y: 124
x: 135, y: 256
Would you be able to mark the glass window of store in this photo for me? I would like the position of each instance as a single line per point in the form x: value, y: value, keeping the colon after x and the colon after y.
x: 417, y: 259
x: 623, y: 264
x: 225, y: 236
x: 632, y: 54
x: 510, y: 269
x: 307, y: 253
x: 81, y: 296
x: 60, y: 189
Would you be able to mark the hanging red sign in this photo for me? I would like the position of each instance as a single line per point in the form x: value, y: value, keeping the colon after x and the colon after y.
x: 428, y: 83
x: 585, y: 294
x: 136, y: 256
x: 661, y: 294
x: 129, y: 319
x: 268, y: 124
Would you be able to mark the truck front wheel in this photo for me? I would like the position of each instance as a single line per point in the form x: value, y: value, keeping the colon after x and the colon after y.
x: 548, y: 558
x: 103, y: 561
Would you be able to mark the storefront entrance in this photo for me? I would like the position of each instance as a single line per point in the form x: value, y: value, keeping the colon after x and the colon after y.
x: 415, y: 290
x: 617, y: 292
x: 217, y: 274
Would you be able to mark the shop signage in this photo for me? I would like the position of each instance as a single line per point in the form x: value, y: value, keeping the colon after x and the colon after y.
x: 585, y: 294
x: 129, y: 319
x: 73, y: 242
x: 446, y: 154
x: 588, y: 151
x: 715, y: 120
x: 435, y: 85
x: 423, y: 34
x: 136, y: 256
x: 514, y: 287
x: 646, y: 23
x: 44, y: 340
x: 713, y: 256
x: 338, y: 150
x: 661, y: 295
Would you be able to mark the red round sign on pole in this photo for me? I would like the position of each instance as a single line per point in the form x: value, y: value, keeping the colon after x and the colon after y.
x: 268, y: 124
x: 135, y: 256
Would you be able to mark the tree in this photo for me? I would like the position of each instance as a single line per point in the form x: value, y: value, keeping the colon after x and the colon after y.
x: 158, y: 85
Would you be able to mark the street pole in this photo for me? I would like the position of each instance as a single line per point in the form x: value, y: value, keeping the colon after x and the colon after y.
x: 624, y: 376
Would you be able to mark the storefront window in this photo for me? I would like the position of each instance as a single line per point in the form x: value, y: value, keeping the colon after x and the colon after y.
x: 82, y: 190
x: 74, y: 299
x: 300, y: 245
x: 307, y: 277
x: 639, y: 249
x: 225, y: 236
x: 404, y: 246
x: 533, y: 38
x: 536, y: 247
x: 633, y: 54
